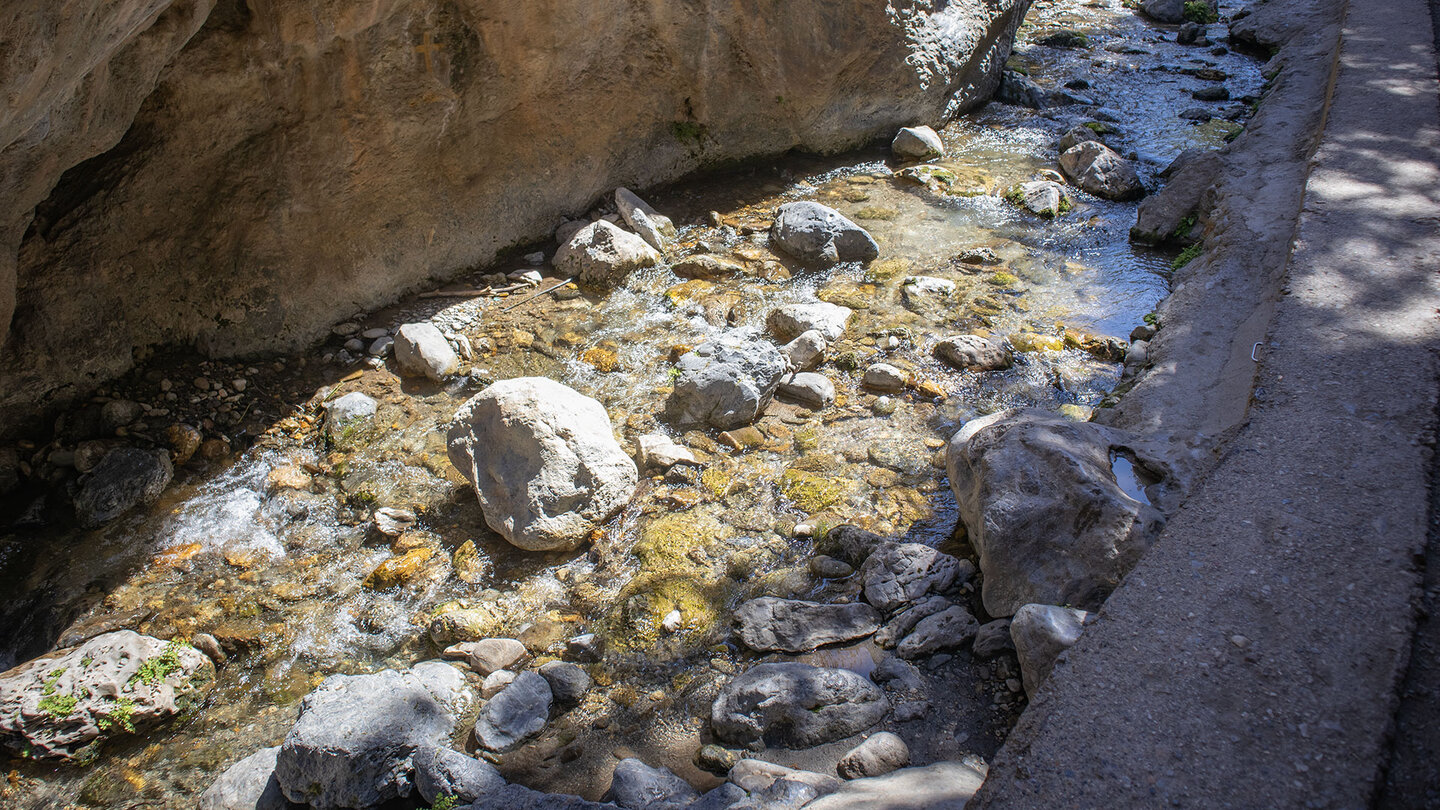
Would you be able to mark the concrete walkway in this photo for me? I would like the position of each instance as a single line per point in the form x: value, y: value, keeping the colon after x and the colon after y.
x: 1253, y: 658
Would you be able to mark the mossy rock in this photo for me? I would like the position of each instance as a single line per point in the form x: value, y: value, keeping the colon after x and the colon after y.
x: 468, y: 564
x: 810, y: 492
x: 454, y: 622
x: 1003, y: 279
x: 857, y: 296
x: 602, y: 360
x: 666, y: 541
x: 886, y: 269
x: 634, y: 626
x: 1035, y: 342
x: 399, y: 570
x: 877, y: 213
x: 688, y: 292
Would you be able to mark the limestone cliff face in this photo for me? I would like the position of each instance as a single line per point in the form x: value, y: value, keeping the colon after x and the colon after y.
x: 284, y: 164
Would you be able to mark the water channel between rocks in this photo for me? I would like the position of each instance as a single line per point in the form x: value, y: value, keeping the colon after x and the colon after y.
x: 269, y: 551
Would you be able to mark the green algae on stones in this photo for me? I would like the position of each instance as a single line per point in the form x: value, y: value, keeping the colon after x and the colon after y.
x: 811, y: 493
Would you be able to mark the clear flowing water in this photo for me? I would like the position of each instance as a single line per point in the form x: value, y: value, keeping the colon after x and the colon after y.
x: 271, y: 554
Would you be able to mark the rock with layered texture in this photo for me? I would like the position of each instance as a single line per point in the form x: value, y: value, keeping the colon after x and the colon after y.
x: 1096, y: 168
x: 113, y: 684
x: 727, y: 382
x: 602, y: 255
x: 1039, y: 496
x: 898, y: 574
x: 1163, y: 215
x: 818, y: 234
x: 796, y: 705
x: 769, y: 624
x: 793, y: 320
x: 447, y: 772
x: 409, y: 148
x: 543, y: 461
x: 516, y: 714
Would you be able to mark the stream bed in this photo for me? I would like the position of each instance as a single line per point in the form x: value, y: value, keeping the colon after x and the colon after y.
x: 264, y: 539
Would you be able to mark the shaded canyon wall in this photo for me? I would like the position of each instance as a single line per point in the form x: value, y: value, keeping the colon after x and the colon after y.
x: 238, y: 176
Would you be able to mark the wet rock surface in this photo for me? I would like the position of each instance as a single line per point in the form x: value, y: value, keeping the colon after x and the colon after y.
x: 517, y: 713
x: 821, y: 235
x: 1041, y: 633
x: 124, y: 479
x: 113, y: 685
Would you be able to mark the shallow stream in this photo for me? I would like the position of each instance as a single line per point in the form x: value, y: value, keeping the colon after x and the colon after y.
x: 268, y: 549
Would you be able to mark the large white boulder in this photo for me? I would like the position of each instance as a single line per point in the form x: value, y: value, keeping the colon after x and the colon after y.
x: 543, y: 460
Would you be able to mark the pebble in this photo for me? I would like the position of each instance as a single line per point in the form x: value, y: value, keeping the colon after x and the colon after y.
x: 382, y: 346
x: 345, y: 329
x: 375, y: 333
x: 671, y: 622
x: 354, y: 345
x: 884, y: 406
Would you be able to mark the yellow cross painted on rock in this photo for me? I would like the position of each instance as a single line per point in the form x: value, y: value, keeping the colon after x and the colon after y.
x: 427, y: 49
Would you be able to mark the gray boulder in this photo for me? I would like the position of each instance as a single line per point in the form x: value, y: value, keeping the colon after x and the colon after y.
x: 568, y: 682
x: 882, y: 753
x: 917, y: 143
x: 1039, y: 496
x: 493, y: 654
x: 818, y: 234
x: 125, y: 478
x: 421, y: 351
x: 1041, y: 633
x: 517, y: 714
x: 973, y: 353
x: 793, y: 320
x: 706, y: 266
x: 354, y: 744
x: 945, y: 630
x: 1096, y: 168
x: 658, y: 451
x: 652, y: 226
x: 348, y: 414
x: 769, y: 624
x: 637, y: 786
x: 795, y: 705
x: 249, y: 784
x: 897, y: 574
x: 992, y: 638
x: 812, y: 390
x: 807, y: 351
x: 727, y: 796
x: 1166, y: 11
x: 757, y: 776
x: 112, y: 685
x: 543, y: 461
x: 1045, y: 198
x: 602, y: 255
x: 447, y: 772
x: 942, y: 786
x: 727, y: 382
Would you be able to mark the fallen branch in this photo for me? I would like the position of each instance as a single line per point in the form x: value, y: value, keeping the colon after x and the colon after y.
x: 550, y: 289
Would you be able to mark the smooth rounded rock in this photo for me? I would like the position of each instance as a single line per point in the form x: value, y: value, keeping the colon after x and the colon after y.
x: 885, y: 377
x: 917, y: 143
x: 568, y: 682
x: 792, y: 320
x: 770, y: 624
x: 493, y: 654
x: 973, y: 353
x: 814, y: 391
x: 637, y: 786
x: 1096, y: 168
x: 882, y: 753
x: 348, y: 415
x: 1041, y: 633
x: 422, y: 351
